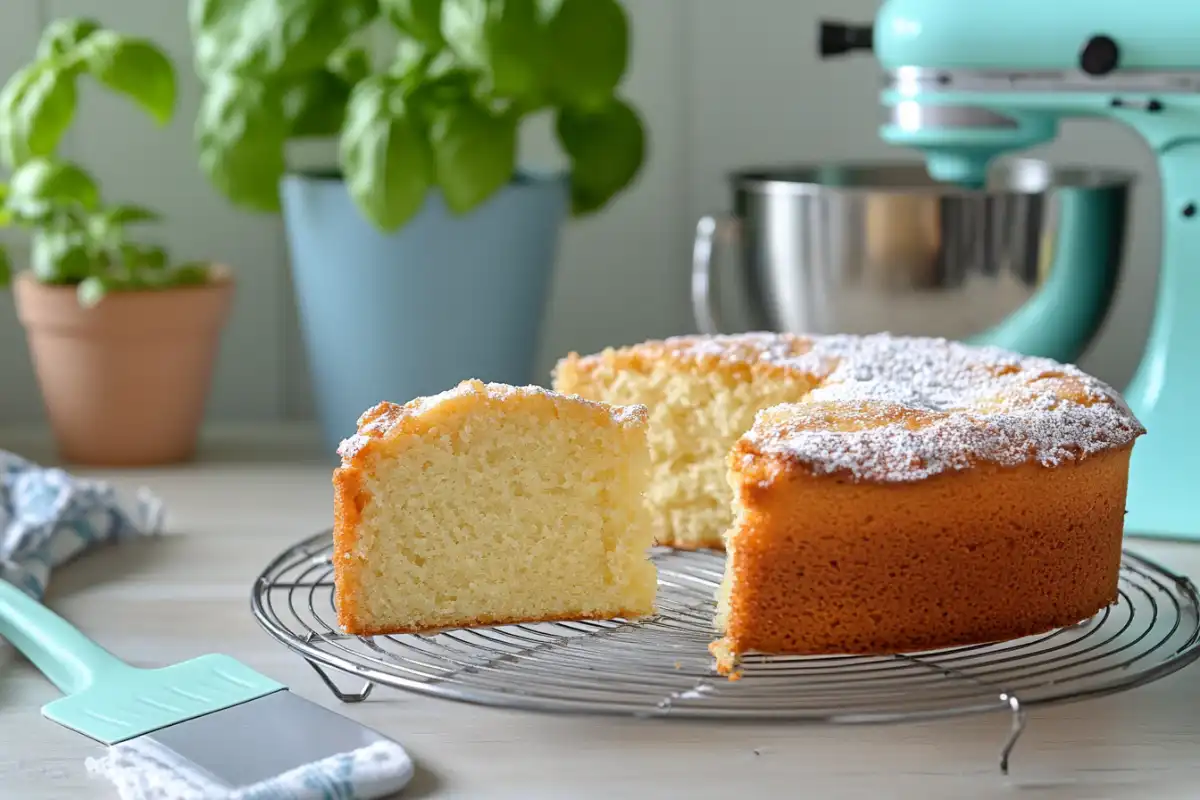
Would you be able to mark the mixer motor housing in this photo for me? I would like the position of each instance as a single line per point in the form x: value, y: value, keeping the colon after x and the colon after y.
x: 967, y: 82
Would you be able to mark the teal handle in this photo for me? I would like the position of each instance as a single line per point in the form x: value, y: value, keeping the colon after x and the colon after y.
x: 1161, y: 499
x: 69, y: 659
x: 1063, y: 318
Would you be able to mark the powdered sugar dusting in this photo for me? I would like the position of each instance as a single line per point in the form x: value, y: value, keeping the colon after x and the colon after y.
x: 376, y: 422
x: 892, y: 409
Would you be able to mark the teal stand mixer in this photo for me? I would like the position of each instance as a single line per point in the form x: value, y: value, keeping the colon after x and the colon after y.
x: 967, y: 82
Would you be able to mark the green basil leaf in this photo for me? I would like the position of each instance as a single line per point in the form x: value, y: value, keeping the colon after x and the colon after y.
x: 37, y: 105
x: 519, y: 52
x: 91, y: 290
x: 240, y: 134
x: 475, y: 153
x: 272, y: 38
x: 411, y: 62
x: 190, y: 274
x: 13, y: 149
x: 437, y: 83
x: 464, y: 26
x: 107, y: 226
x: 154, y: 257
x: 426, y: 78
x: 140, y: 256
x: 450, y: 89
x: 5, y: 267
x: 384, y: 155
x: 589, y: 51
x: 418, y: 19
x: 47, y: 110
x: 40, y: 185
x: 315, y: 104
x: 350, y: 63
x: 129, y: 215
x: 134, y: 67
x: 60, y: 257
x: 606, y: 149
x: 62, y: 36
x: 506, y: 39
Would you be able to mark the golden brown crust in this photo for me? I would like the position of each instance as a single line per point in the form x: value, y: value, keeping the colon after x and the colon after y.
x: 487, y: 621
x: 389, y: 422
x: 349, y: 500
x: 823, y: 564
x: 744, y: 358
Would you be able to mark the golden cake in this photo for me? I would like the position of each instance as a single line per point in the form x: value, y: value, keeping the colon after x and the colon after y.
x: 491, y: 504
x: 702, y: 394
x: 883, y: 494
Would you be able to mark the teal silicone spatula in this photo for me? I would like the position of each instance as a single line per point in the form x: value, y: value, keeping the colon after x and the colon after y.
x: 234, y: 724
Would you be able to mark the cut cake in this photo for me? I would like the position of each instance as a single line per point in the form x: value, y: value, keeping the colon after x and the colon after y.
x: 489, y: 504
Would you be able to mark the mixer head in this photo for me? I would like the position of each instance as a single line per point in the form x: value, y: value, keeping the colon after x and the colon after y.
x: 968, y: 81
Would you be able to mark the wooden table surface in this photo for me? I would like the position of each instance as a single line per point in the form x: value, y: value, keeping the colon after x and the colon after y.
x: 185, y: 594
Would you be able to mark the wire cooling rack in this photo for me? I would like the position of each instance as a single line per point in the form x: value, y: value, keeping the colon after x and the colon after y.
x: 661, y: 667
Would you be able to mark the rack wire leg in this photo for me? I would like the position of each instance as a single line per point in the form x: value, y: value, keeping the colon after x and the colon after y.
x: 345, y: 697
x: 1018, y: 727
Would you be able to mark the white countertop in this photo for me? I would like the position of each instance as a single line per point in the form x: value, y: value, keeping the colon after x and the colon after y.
x: 170, y: 599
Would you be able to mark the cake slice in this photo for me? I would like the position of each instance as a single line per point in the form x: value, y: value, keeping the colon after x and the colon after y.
x: 872, y: 527
x: 702, y: 393
x: 491, y: 504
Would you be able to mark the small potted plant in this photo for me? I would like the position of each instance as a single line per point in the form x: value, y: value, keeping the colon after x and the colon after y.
x: 422, y: 251
x: 122, y: 339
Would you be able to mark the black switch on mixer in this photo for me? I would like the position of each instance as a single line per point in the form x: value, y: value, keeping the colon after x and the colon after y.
x: 837, y: 38
x: 1099, y: 56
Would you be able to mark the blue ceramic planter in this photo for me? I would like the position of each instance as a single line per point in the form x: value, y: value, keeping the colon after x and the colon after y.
x: 445, y: 298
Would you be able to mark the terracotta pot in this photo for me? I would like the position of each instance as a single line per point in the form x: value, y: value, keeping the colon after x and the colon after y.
x: 125, y: 383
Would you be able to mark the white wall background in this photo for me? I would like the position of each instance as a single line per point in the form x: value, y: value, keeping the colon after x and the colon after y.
x: 719, y: 87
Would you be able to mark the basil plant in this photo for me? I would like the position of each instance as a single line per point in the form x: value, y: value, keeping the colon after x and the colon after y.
x: 437, y: 107
x: 77, y: 239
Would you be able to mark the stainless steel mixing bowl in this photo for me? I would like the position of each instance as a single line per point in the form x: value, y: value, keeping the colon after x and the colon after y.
x: 1029, y: 262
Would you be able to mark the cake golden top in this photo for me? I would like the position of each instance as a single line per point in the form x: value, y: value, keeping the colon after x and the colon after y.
x: 743, y: 355
x: 388, y: 420
x: 748, y: 355
x: 897, y: 409
x: 894, y: 408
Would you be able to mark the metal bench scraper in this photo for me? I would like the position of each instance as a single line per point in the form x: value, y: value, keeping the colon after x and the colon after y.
x: 230, y: 727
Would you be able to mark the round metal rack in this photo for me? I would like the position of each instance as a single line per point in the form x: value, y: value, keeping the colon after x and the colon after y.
x: 661, y: 667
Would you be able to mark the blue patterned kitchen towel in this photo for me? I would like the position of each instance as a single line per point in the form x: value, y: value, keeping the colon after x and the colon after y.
x: 48, y: 517
x: 142, y: 769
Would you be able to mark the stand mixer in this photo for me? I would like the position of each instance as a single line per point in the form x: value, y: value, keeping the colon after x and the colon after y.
x: 966, y: 82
